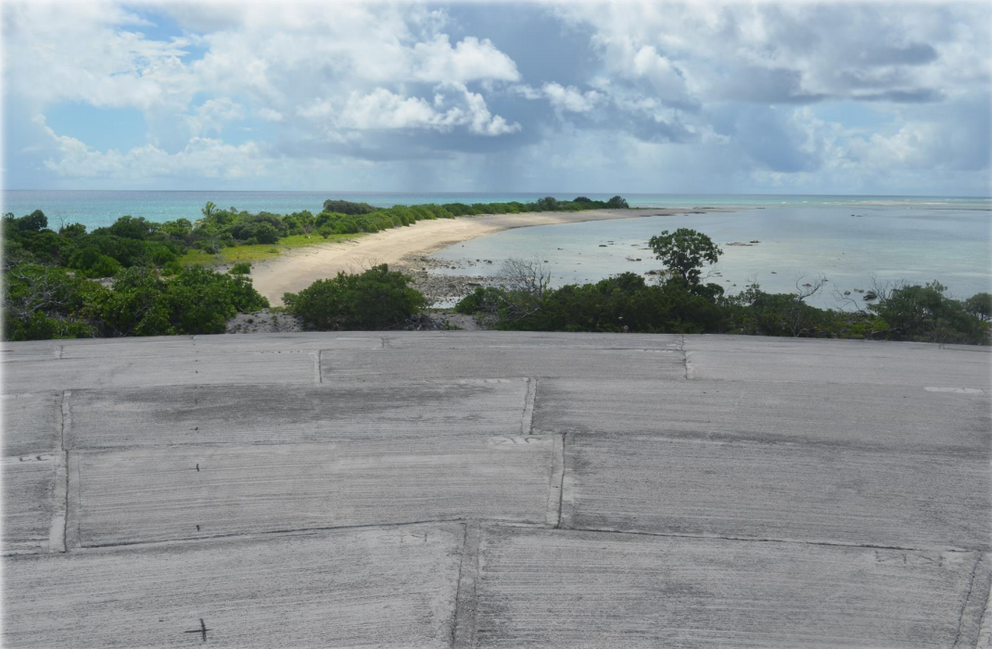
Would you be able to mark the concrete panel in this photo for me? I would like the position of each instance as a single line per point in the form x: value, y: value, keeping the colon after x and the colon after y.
x: 504, y: 362
x: 253, y: 414
x: 391, y: 587
x: 180, y: 492
x: 798, y: 492
x: 518, y: 339
x: 743, y: 358
x: 35, y: 350
x: 127, y: 370
x: 190, y: 346
x: 539, y: 588
x: 865, y: 416
x: 32, y: 423
x: 29, y: 502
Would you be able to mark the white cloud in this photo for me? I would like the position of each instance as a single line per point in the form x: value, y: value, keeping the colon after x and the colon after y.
x: 270, y: 115
x: 470, y: 60
x: 383, y: 109
x: 571, y: 98
x: 201, y: 157
x: 213, y: 115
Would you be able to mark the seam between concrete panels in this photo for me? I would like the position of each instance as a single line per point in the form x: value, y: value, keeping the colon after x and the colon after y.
x: 552, y: 516
x: 463, y: 627
x: 527, y: 422
x: 57, y: 530
x: 971, y: 638
x: 317, y: 378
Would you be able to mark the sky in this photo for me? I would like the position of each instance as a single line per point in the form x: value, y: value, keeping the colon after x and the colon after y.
x: 637, y: 97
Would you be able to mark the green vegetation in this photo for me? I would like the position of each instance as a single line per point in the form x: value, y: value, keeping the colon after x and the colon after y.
x: 41, y: 302
x: 376, y: 299
x: 158, y: 286
x: 682, y: 304
x: 154, y: 289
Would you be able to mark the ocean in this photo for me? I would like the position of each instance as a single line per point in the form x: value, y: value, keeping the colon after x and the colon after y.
x: 847, y: 239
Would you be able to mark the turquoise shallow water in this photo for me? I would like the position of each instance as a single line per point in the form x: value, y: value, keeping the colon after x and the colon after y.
x: 846, y: 244
x: 99, y: 208
x: 895, y: 238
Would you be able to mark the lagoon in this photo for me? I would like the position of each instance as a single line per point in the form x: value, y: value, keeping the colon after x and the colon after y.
x: 847, y: 244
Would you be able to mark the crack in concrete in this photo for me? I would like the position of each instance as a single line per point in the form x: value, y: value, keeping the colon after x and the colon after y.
x: 552, y: 516
x: 967, y: 599
x: 527, y: 421
x: 463, y: 626
x: 60, y: 517
x: 317, y: 378
x: 745, y: 539
x: 685, y: 356
x: 982, y: 631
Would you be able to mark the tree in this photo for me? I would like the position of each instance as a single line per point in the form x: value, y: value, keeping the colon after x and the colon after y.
x: 980, y: 306
x: 617, y: 202
x: 684, y: 253
x: 376, y: 299
x: 208, y: 209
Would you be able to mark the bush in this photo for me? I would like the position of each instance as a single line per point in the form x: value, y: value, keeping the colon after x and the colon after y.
x: 376, y: 299
x: 41, y: 302
x: 240, y: 268
x: 197, y: 301
x: 347, y: 207
x: 926, y: 314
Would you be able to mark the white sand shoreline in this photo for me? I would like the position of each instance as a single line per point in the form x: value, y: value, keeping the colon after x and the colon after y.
x: 297, y: 269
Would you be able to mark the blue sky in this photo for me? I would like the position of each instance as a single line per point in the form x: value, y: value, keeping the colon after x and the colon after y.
x: 703, y: 97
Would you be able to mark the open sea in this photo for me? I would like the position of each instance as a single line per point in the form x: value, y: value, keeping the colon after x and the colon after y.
x: 848, y: 239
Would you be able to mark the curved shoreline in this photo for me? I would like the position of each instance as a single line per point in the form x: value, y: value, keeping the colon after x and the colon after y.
x: 297, y: 269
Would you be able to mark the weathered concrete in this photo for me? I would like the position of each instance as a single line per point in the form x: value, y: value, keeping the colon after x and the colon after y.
x: 504, y: 361
x: 783, y: 491
x: 856, y: 416
x: 390, y: 587
x: 144, y: 495
x: 32, y: 423
x: 266, y: 414
x: 838, y: 361
x: 540, y: 588
x: 496, y: 489
x: 30, y: 495
x: 132, y: 370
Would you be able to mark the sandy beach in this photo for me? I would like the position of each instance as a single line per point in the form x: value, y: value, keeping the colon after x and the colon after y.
x: 299, y: 268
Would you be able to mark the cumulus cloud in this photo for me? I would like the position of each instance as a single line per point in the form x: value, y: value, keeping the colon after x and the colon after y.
x: 737, y: 92
x: 213, y: 115
x: 470, y: 59
x: 201, y: 157
x: 383, y: 109
x: 571, y: 99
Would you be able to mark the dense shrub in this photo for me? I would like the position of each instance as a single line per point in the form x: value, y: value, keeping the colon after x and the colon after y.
x: 376, y: 299
x: 347, y: 207
x: 41, y: 302
x: 196, y: 301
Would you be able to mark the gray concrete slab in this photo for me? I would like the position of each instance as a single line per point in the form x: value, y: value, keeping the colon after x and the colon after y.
x: 778, y: 491
x: 32, y: 423
x: 835, y: 446
x: 744, y: 358
x: 858, y: 416
x: 517, y: 339
x: 540, y: 588
x: 160, y: 494
x: 124, y: 369
x: 30, y: 498
x: 504, y: 362
x: 190, y: 346
x: 35, y: 350
x: 262, y: 414
x: 391, y: 587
